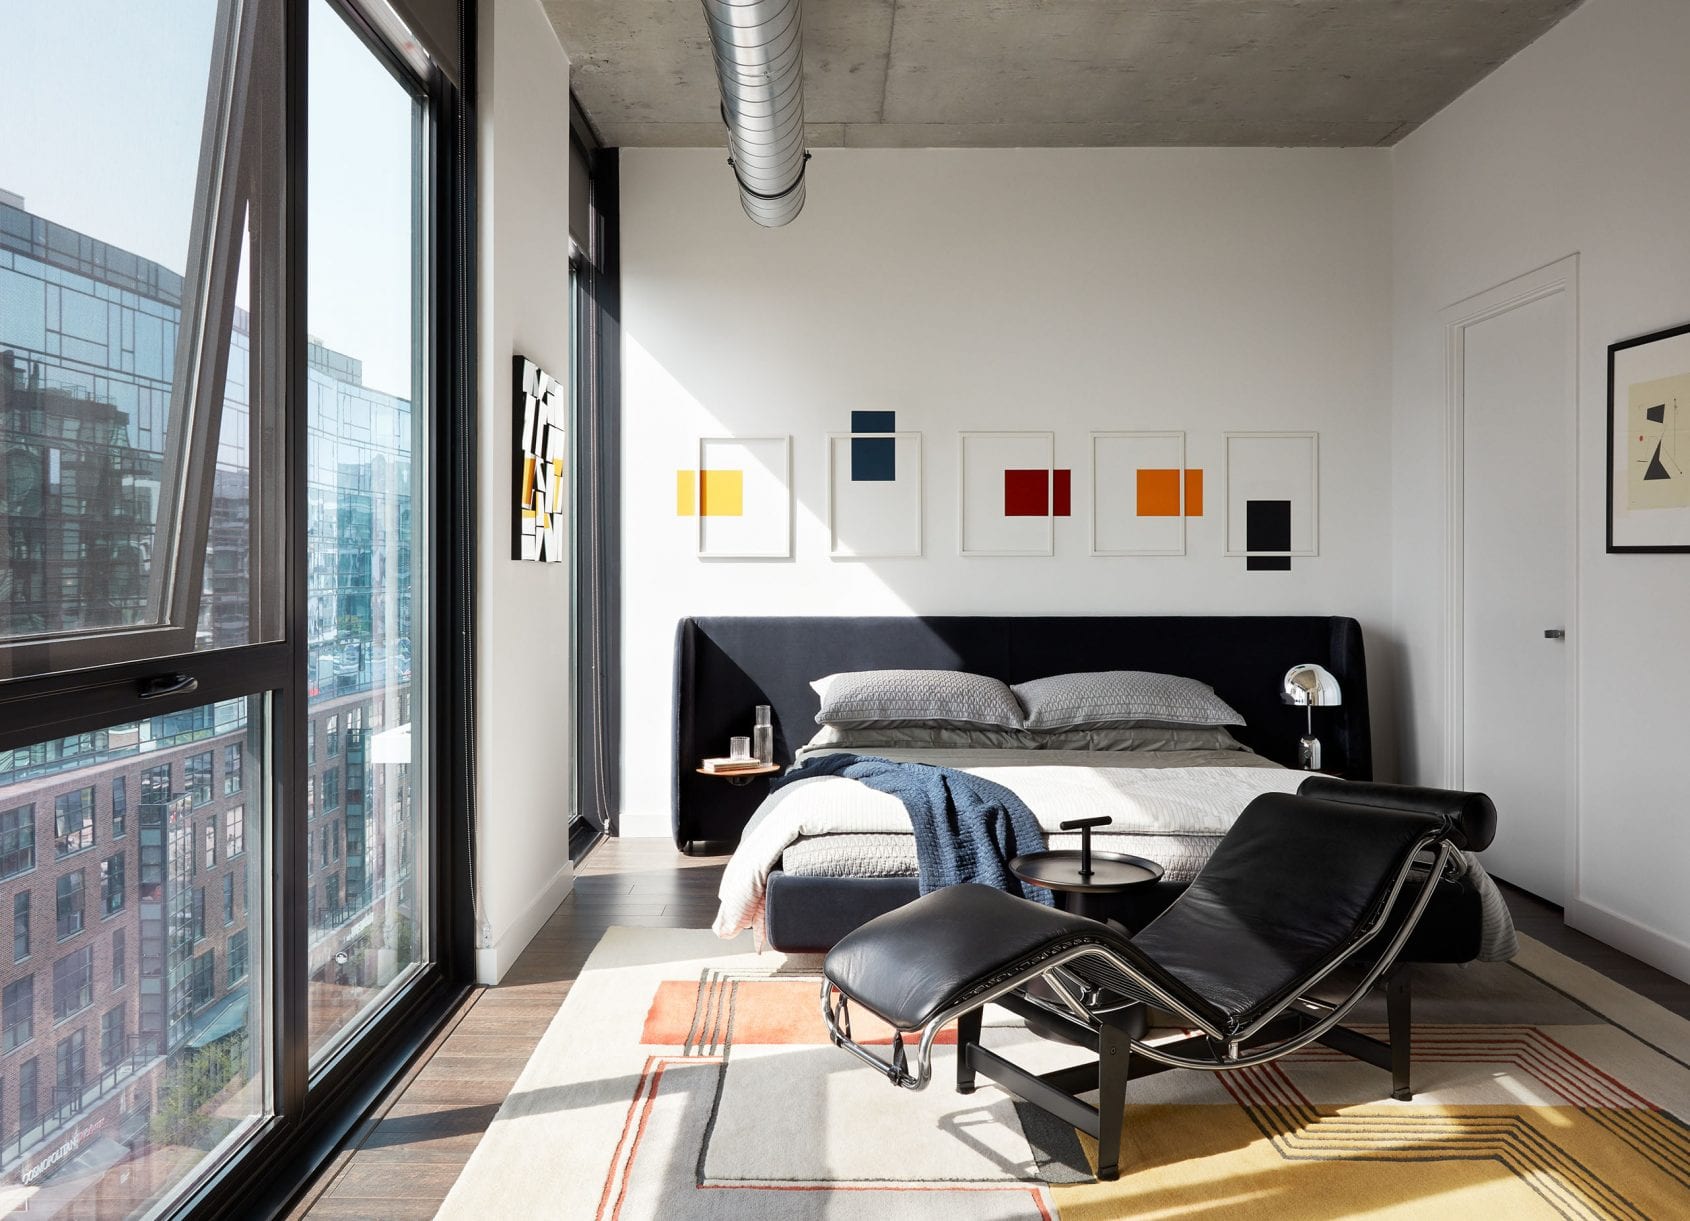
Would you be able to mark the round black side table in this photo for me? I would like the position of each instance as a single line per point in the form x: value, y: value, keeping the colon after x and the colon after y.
x: 1086, y: 882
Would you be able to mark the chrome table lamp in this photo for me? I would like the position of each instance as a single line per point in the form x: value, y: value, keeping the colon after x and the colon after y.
x: 1311, y: 687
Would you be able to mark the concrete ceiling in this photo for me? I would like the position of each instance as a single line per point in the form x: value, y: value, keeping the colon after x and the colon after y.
x: 1016, y: 73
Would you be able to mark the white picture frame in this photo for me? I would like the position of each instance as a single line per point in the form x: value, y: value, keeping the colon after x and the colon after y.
x: 983, y: 526
x: 1116, y: 527
x: 1272, y: 466
x: 762, y: 530
x: 875, y: 519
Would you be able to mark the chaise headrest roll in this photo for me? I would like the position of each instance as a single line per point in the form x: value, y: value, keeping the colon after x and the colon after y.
x: 1471, y: 817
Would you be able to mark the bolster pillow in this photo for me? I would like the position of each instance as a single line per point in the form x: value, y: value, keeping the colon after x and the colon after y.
x: 1470, y: 816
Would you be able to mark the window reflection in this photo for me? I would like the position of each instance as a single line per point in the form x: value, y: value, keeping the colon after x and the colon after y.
x: 128, y: 1030
x: 363, y: 892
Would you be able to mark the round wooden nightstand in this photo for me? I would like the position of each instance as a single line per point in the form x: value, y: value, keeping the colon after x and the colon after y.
x: 745, y: 775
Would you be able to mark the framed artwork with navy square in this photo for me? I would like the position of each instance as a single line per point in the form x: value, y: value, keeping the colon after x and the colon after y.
x: 874, y: 497
x: 1649, y: 442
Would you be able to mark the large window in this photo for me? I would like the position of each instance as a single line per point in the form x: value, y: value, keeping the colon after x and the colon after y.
x: 17, y: 1013
x: 196, y: 777
x: 222, y: 270
x: 234, y: 832
x: 111, y: 885
x: 113, y: 1041
x: 73, y: 983
x: 69, y: 902
x: 20, y: 926
x: 17, y: 841
x: 73, y: 821
x: 367, y: 577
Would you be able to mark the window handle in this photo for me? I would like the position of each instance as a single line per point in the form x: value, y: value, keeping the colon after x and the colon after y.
x: 155, y: 685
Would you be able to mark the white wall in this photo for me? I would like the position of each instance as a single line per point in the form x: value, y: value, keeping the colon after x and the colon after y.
x: 1577, y: 145
x: 1026, y: 289
x: 522, y: 608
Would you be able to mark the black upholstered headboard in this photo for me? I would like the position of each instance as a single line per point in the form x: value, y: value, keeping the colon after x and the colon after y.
x: 725, y: 667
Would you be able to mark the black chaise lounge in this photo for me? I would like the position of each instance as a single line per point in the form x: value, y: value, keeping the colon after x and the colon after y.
x: 1302, y: 909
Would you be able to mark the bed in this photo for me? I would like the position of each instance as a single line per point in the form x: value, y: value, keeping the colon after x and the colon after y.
x: 813, y: 879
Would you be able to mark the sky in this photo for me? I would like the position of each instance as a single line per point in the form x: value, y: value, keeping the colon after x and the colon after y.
x: 101, y: 110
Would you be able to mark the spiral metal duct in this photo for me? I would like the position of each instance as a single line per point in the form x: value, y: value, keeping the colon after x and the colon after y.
x: 758, y: 46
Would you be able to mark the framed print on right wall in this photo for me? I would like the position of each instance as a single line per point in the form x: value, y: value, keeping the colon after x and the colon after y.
x: 1649, y: 442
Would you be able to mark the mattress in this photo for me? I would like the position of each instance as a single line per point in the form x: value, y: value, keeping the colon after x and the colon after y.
x: 892, y: 855
x: 1185, y: 799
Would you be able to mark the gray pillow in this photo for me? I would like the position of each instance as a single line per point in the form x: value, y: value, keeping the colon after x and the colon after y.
x: 919, y: 696
x: 1146, y: 736
x: 1121, y: 697
x: 928, y: 735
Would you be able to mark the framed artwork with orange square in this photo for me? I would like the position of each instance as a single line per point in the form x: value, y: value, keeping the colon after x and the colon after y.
x: 1142, y: 493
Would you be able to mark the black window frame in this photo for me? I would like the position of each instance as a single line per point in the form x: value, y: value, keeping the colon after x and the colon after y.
x: 234, y: 768
x: 595, y: 523
x: 70, y: 904
x: 21, y: 818
x: 199, y: 772
x: 113, y: 1044
x: 17, y: 1010
x: 21, y: 930
x: 29, y: 1094
x: 70, y: 1064
x: 70, y: 839
x: 113, y: 884
x: 316, y: 1106
x: 73, y: 983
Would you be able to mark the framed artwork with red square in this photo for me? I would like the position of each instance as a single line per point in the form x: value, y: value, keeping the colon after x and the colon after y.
x: 1011, y: 493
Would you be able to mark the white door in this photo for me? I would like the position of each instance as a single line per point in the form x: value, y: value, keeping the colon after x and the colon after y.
x: 1517, y: 496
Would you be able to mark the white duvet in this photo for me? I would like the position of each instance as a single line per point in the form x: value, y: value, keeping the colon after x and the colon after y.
x: 1146, y: 793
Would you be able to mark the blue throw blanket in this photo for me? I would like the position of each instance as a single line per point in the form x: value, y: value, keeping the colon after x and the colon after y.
x: 966, y: 828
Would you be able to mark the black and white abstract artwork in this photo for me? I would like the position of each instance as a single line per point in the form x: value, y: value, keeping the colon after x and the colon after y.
x: 541, y: 442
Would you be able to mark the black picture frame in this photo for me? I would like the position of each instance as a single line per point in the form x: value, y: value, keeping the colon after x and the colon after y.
x: 540, y: 430
x: 1614, y: 351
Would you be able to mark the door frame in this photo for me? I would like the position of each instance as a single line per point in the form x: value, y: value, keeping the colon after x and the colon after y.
x: 1560, y: 276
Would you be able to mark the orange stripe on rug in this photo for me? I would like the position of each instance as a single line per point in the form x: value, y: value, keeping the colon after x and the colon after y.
x: 764, y: 1012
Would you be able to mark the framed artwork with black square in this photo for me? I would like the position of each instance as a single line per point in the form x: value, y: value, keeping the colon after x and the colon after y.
x: 1649, y: 442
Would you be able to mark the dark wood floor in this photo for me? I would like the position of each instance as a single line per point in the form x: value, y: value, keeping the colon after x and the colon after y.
x: 407, y: 1154
x: 1542, y: 922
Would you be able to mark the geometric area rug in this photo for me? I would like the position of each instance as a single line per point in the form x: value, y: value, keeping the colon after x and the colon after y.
x: 687, y: 1077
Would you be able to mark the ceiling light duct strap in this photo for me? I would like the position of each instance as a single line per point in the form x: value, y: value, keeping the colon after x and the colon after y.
x: 758, y: 47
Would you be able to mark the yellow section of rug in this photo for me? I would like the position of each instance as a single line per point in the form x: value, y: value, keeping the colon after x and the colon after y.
x: 1389, y: 1160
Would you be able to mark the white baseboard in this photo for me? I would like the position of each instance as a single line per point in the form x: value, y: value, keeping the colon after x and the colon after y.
x: 491, y: 962
x: 645, y: 826
x: 1660, y: 950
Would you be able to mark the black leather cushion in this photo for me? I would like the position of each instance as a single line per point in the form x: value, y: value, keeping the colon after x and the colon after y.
x: 1292, y: 884
x: 911, y: 964
x: 1471, y: 817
